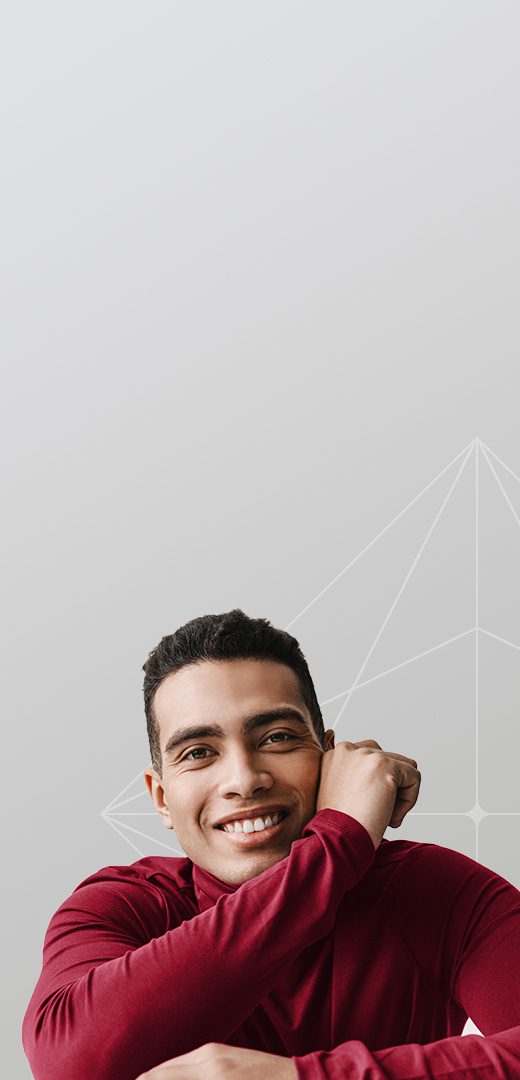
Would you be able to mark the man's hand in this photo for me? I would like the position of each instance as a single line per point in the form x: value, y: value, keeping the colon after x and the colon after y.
x: 375, y: 787
x: 215, y: 1061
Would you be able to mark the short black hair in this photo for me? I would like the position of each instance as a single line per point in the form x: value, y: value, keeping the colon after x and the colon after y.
x: 231, y: 635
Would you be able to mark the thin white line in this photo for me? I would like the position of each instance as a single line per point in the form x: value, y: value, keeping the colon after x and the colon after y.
x: 501, y: 486
x: 500, y: 462
x: 150, y: 838
x: 411, y: 660
x: 378, y: 537
x: 497, y: 638
x: 114, y: 806
x: 405, y: 582
x: 123, y: 836
x: 134, y: 813
x: 139, y: 774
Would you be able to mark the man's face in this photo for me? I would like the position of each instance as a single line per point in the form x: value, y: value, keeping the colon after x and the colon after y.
x: 272, y: 765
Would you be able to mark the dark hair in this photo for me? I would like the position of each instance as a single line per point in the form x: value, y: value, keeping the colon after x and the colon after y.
x: 229, y: 636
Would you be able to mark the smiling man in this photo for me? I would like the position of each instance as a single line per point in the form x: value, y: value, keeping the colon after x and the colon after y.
x: 246, y: 717
x: 293, y: 941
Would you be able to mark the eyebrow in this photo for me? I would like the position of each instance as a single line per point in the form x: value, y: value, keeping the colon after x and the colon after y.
x: 203, y: 731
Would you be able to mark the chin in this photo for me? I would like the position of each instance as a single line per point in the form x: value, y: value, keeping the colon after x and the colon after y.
x: 248, y: 874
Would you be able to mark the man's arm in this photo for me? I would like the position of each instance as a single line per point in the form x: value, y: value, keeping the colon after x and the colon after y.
x: 461, y: 1057
x: 109, y: 1007
x: 463, y: 927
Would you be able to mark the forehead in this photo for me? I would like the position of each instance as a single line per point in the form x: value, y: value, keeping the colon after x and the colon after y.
x: 223, y: 691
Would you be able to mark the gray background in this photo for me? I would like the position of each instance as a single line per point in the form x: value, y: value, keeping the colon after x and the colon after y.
x: 259, y: 280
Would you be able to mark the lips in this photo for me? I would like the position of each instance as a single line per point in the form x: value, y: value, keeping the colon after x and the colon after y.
x: 251, y: 814
x: 255, y: 839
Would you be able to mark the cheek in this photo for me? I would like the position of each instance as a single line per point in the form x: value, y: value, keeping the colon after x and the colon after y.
x: 304, y: 773
x: 185, y: 808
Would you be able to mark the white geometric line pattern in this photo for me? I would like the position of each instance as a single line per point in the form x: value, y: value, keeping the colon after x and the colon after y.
x: 397, y: 667
x: 379, y: 535
x: 403, y: 586
x: 113, y: 812
x: 496, y: 637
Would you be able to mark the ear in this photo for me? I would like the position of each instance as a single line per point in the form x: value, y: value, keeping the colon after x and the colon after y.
x: 329, y: 739
x: 156, y: 789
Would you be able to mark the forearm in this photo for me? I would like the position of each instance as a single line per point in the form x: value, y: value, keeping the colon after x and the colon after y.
x: 468, y: 1057
x: 198, y: 982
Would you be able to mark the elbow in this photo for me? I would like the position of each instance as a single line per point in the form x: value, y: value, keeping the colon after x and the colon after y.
x: 61, y: 1042
x: 59, y: 1047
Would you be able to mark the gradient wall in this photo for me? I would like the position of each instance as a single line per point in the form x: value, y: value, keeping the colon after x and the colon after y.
x: 260, y: 349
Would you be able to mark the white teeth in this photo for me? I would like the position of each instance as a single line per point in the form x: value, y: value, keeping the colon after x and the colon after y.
x: 248, y: 825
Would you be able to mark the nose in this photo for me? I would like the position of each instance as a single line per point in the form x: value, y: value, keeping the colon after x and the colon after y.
x: 243, y: 775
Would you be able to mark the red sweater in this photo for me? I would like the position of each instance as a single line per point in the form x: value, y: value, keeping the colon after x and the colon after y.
x: 356, y: 964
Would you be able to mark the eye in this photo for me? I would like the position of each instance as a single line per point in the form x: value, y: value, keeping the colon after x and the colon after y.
x: 196, y: 750
x: 284, y: 733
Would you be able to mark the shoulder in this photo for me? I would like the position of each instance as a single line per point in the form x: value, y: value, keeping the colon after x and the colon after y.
x: 112, y: 911
x: 433, y: 873
x: 156, y: 871
x: 155, y: 891
x: 419, y: 860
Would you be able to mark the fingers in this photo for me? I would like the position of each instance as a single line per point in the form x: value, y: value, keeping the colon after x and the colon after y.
x: 375, y: 745
x: 407, y: 795
x: 401, y: 757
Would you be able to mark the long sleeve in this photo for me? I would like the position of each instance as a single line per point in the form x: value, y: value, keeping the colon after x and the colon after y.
x: 461, y: 1057
x: 461, y: 921
x: 108, y: 1007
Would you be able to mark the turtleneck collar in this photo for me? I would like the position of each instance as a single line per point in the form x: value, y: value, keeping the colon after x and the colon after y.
x: 208, y: 887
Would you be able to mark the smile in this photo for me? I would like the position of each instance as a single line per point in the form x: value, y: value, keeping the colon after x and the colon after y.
x: 251, y: 832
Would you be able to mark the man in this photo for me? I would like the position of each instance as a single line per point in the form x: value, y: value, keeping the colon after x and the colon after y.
x: 297, y: 944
